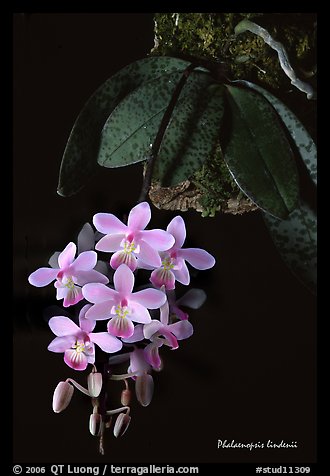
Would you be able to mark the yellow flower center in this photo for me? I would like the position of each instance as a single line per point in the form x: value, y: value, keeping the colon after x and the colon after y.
x: 121, y: 312
x: 129, y: 246
x: 69, y: 283
x: 167, y: 264
x: 79, y: 346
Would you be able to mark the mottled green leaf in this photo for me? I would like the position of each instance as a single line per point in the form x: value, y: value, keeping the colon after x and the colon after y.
x: 299, y: 134
x: 191, y: 136
x: 296, y: 240
x: 79, y: 161
x: 258, y: 154
x: 132, y: 127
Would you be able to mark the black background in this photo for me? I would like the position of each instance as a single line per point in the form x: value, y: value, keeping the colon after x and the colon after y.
x: 249, y: 371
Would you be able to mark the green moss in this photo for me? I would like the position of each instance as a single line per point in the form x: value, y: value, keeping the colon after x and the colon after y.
x: 246, y: 56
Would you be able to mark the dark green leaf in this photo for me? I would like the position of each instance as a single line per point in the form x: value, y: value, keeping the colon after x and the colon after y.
x: 258, y: 153
x: 296, y: 240
x: 299, y: 134
x: 79, y: 161
x: 131, y: 129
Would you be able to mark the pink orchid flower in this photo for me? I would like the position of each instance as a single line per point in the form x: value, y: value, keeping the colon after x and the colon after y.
x: 131, y: 241
x: 77, y: 342
x: 160, y: 333
x: 173, y: 261
x: 120, y: 305
x: 70, y: 274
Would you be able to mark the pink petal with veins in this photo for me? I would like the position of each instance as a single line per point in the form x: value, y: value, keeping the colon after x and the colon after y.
x: 122, y: 257
x: 120, y: 327
x: 163, y: 277
x: 75, y: 360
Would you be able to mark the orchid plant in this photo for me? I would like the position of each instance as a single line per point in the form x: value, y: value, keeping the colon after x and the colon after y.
x: 138, y: 322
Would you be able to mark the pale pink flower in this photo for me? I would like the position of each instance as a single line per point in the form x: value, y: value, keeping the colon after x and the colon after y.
x: 70, y: 274
x: 173, y: 261
x: 131, y: 241
x: 120, y: 305
x: 77, y: 342
x: 161, y: 333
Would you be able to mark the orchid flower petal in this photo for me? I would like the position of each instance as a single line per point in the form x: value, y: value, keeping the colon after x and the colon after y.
x: 138, y: 363
x: 138, y: 313
x: 110, y: 243
x: 100, y: 311
x: 144, y: 389
x: 137, y: 335
x: 163, y: 277
x: 73, y: 296
x: 158, y: 239
x: 86, y: 325
x: 181, y: 329
x: 122, y: 257
x: 198, y: 258
x: 150, y: 298
x: 63, y: 326
x: 165, y: 313
x: 139, y: 216
x: 85, y: 261
x: 106, y: 342
x: 75, y: 360
x: 182, y: 273
x: 149, y: 255
x: 123, y: 280
x: 177, y: 229
x: 151, y: 352
x: 66, y: 257
x: 120, y: 327
x: 42, y: 276
x: 170, y: 339
x: 98, y: 292
x: 108, y: 223
x: 92, y: 276
x: 150, y: 329
x: 61, y: 344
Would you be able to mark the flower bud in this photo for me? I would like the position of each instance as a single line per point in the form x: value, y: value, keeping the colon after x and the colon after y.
x: 62, y: 396
x: 95, y: 423
x: 121, y: 425
x: 144, y: 389
x: 94, y: 383
x: 125, y: 397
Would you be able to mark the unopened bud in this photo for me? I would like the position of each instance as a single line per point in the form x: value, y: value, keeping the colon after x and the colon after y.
x: 121, y: 425
x: 95, y: 424
x: 125, y: 397
x: 94, y: 383
x: 62, y: 396
x: 144, y: 389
